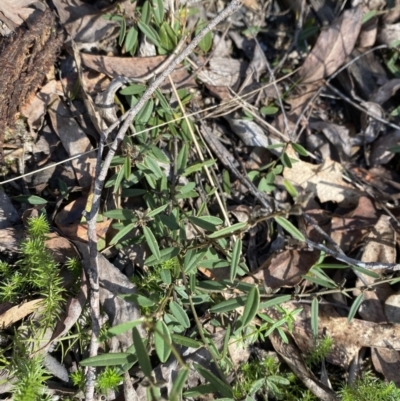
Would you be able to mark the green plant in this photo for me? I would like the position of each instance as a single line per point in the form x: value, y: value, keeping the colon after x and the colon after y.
x: 322, y: 349
x: 35, y: 273
x: 29, y: 374
x: 108, y: 380
x: 370, y: 388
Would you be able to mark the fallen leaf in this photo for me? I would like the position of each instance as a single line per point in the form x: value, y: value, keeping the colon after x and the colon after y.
x: 18, y: 312
x: 133, y: 67
x: 323, y: 180
x: 333, y: 46
x: 75, y: 142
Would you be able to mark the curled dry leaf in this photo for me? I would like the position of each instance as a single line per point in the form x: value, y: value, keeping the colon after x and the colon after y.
x: 132, y: 67
x: 333, y: 46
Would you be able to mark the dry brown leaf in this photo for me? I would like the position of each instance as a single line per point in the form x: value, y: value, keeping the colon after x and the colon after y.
x: 348, y: 337
x: 389, y: 34
x: 333, y: 46
x: 387, y: 362
x: 380, y: 153
x: 132, y: 67
x: 386, y: 91
x: 75, y: 142
x: 15, y: 12
x: 35, y: 110
x: 60, y: 248
x: 84, y: 22
x: 380, y: 246
x: 337, y: 135
x: 68, y: 221
x: 348, y: 231
x: 286, y: 268
x: 18, y: 312
x: 223, y: 71
x: 323, y: 180
x: 112, y: 284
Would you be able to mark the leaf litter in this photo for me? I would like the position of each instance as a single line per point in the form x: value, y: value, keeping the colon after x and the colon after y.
x: 268, y: 160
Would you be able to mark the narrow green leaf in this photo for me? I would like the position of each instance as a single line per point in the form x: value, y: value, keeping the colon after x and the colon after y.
x: 151, y: 242
x: 227, y: 337
x: 178, y: 384
x: 150, y: 33
x: 122, y: 32
x: 251, y: 306
x: 162, y: 341
x: 275, y: 301
x: 120, y: 214
x: 165, y: 254
x: 367, y: 272
x: 299, y: 149
x: 111, y: 359
x: 118, y: 180
x: 228, y: 230
x: 206, y: 42
x: 208, y: 223
x: 158, y: 11
x: 138, y: 299
x: 141, y: 353
x: 314, y: 317
x: 354, y: 308
x: 269, y: 110
x: 197, y: 167
x: 146, y: 13
x: 133, y: 89
x: 217, y: 383
x: 290, y: 228
x: 179, y: 314
x: 123, y: 327
x: 290, y: 188
x: 31, y: 199
x: 286, y: 161
x: 237, y: 250
x: 157, y: 211
x: 127, y: 168
x: 229, y: 305
x: 131, y: 39
x: 133, y: 192
x: 186, y: 341
x: 145, y: 112
x: 122, y: 233
x: 320, y: 281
